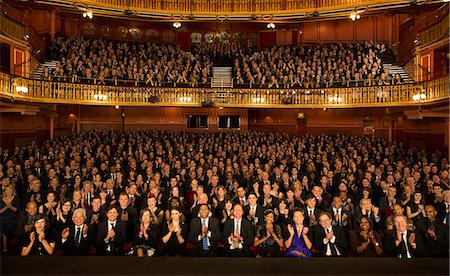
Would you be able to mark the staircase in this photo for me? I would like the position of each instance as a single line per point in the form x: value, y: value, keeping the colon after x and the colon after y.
x: 394, y: 69
x: 37, y: 73
x: 222, y: 77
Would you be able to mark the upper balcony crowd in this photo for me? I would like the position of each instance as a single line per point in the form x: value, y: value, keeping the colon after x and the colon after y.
x: 247, y: 193
x: 105, y: 62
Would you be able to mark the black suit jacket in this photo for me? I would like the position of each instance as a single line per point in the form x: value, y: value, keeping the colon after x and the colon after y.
x: 247, y: 233
x: 196, y: 230
x: 259, y: 214
x: 399, y: 250
x: 70, y: 247
x: 116, y: 243
x: 436, y: 248
x: 349, y: 224
x: 340, y: 243
x: 307, y: 221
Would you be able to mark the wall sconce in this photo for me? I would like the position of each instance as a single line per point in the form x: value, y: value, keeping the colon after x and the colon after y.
x: 100, y: 97
x: 176, y: 25
x: 88, y: 13
x: 271, y: 26
x: 354, y: 16
x: 419, y: 97
x: 21, y: 89
x: 258, y: 100
x: 335, y: 99
x: 185, y: 99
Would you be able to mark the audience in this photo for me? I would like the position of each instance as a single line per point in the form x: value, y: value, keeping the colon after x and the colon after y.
x: 317, y: 66
x: 223, y: 194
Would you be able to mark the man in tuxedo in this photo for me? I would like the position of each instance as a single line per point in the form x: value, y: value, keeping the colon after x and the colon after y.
x: 390, y: 200
x: 238, y: 234
x: 403, y: 243
x: 112, y: 193
x: 25, y: 223
x: 95, y: 216
x: 311, y: 213
x: 433, y: 233
x: 443, y: 208
x: 128, y: 215
x: 253, y: 211
x: 367, y: 209
x: 204, y: 233
x: 340, y: 216
x: 76, y: 239
x: 267, y: 200
x: 329, y: 239
x: 136, y: 200
x: 111, y: 234
x: 240, y: 198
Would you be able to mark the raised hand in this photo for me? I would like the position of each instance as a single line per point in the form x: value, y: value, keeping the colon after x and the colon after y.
x: 32, y: 237
x: 290, y: 229
x: 65, y: 233
x: 305, y: 231
x: 85, y: 230
x: 330, y: 235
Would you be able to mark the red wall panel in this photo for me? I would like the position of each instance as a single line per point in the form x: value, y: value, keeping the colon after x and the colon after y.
x: 365, y: 29
x: 345, y: 30
x: 327, y: 31
x: 310, y: 31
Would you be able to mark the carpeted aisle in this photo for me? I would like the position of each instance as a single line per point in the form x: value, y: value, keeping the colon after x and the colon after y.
x: 12, y: 265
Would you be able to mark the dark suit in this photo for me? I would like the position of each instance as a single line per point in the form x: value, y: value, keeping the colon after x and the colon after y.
x: 74, y: 248
x: 196, y: 231
x: 348, y: 223
x: 435, y: 247
x: 316, y: 214
x: 399, y: 251
x: 116, y: 244
x: 259, y: 214
x: 338, y: 245
x: 131, y: 222
x: 246, y: 233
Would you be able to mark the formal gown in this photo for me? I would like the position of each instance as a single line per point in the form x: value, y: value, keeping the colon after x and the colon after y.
x: 298, y: 247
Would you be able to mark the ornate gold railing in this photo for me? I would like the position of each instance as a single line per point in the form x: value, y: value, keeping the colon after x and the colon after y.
x: 435, y: 32
x: 11, y: 28
x: 70, y: 93
x: 231, y: 6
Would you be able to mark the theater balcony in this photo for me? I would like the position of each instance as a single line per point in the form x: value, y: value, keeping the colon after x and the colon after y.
x: 421, y: 94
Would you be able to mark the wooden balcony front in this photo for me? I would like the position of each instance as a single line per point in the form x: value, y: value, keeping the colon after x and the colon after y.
x: 36, y: 91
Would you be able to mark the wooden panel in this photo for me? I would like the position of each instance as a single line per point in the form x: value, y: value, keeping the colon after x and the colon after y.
x: 114, y: 115
x: 324, y: 117
x: 327, y: 31
x: 85, y: 113
x: 310, y: 31
x: 170, y: 114
x: 98, y: 114
x: 153, y: 114
x: 345, y: 30
x: 345, y: 117
x: 382, y: 26
x: 364, y: 29
x: 133, y: 114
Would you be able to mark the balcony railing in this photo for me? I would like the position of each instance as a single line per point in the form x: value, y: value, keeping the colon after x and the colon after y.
x: 21, y: 89
x: 11, y: 28
x: 231, y: 6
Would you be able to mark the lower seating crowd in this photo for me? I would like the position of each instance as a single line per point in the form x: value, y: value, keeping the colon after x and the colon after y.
x: 107, y: 62
x: 247, y: 194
